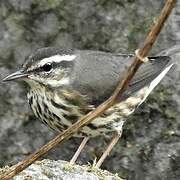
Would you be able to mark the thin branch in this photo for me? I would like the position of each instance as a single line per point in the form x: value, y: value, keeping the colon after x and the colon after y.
x: 149, y: 41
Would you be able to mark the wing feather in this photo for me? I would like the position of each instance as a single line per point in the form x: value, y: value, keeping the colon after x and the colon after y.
x: 96, y: 74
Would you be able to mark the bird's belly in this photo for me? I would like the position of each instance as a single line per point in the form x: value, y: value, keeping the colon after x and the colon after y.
x: 56, y: 116
x: 114, y: 118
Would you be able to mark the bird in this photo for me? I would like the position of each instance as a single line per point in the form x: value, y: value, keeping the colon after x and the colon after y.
x: 65, y: 84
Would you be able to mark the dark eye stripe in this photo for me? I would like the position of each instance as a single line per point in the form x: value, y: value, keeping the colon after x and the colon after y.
x: 62, y: 64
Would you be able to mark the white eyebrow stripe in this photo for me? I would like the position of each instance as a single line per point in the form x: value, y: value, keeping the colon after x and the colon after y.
x: 57, y: 58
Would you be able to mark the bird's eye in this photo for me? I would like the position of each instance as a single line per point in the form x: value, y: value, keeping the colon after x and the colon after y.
x: 47, y: 67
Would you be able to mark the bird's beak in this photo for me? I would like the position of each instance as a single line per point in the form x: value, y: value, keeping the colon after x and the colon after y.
x: 14, y: 76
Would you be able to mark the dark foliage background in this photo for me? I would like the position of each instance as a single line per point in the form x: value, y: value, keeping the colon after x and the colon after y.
x: 150, y: 146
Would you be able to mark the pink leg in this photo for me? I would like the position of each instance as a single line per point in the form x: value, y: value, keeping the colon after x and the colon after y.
x: 80, y: 148
x: 109, y: 148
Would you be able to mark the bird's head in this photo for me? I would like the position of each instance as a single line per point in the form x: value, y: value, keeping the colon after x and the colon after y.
x: 47, y: 66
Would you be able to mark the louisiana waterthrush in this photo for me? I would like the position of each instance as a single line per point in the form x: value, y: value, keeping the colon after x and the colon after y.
x: 67, y: 84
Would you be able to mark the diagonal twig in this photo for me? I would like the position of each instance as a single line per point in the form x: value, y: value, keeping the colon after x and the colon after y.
x: 149, y: 41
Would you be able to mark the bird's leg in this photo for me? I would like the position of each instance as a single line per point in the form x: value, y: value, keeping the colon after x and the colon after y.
x: 108, y: 149
x: 80, y: 148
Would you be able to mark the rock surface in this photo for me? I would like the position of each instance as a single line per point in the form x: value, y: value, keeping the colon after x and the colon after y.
x: 62, y: 170
x: 150, y: 146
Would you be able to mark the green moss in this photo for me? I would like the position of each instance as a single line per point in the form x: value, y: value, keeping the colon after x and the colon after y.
x: 27, y: 177
x: 102, y: 174
x: 48, y: 172
x: 171, y: 113
x: 45, y: 5
x: 69, y: 167
x: 54, y: 3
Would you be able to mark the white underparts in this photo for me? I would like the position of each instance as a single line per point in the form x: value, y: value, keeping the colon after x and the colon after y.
x: 58, y: 83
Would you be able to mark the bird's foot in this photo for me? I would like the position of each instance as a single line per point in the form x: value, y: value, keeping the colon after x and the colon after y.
x: 69, y: 167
